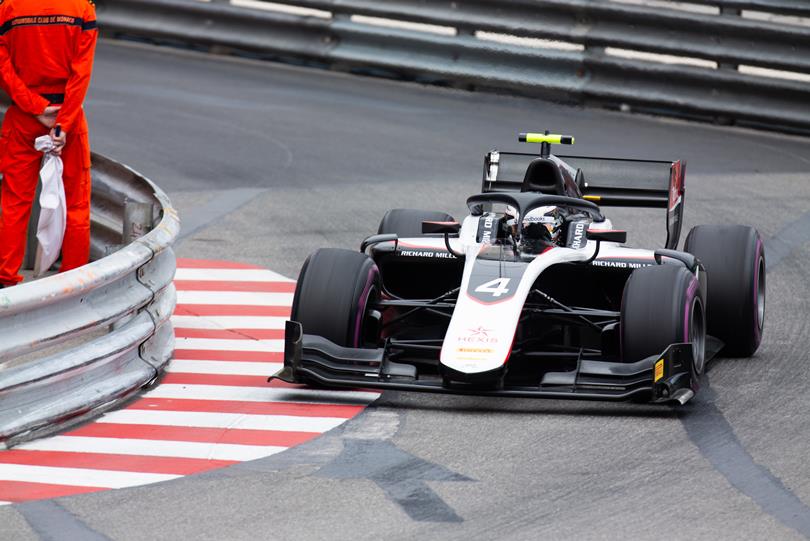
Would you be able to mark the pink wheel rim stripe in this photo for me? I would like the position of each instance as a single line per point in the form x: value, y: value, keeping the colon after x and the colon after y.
x: 214, y: 407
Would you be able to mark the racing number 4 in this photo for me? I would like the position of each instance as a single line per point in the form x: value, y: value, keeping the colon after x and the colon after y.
x: 496, y: 288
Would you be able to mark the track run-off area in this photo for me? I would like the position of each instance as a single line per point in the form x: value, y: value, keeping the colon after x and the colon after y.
x: 267, y: 163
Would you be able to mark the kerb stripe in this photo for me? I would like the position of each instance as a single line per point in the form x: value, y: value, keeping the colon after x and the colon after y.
x: 79, y: 477
x: 241, y: 298
x: 230, y: 345
x: 203, y: 310
x: 226, y: 380
x: 274, y: 438
x: 154, y: 448
x: 249, y: 408
x: 20, y: 491
x: 226, y: 421
x: 222, y: 355
x: 262, y: 394
x: 96, y: 461
x: 228, y: 322
x: 230, y: 275
x: 183, y: 263
x: 252, y: 287
x: 231, y: 334
x: 223, y: 367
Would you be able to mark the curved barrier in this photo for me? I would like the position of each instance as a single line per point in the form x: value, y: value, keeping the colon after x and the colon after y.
x: 78, y: 342
x: 744, y: 61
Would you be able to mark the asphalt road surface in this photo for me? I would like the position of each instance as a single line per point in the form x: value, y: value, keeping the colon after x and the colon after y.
x: 267, y: 163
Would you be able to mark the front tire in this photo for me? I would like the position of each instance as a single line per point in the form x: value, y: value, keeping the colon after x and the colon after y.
x: 662, y: 305
x: 335, y: 291
x: 734, y: 259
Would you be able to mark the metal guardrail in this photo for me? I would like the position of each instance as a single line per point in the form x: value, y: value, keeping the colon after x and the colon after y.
x: 76, y: 343
x: 723, y: 65
x: 782, y: 7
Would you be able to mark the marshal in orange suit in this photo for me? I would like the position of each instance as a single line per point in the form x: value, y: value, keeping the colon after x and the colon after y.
x: 46, y: 58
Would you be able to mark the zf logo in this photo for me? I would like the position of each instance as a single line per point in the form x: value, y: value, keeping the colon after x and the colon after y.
x: 496, y: 288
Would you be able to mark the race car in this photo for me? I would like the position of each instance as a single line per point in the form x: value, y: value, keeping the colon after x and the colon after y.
x: 534, y: 294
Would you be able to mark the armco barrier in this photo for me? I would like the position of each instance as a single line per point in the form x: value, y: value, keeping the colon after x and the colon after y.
x: 76, y: 343
x: 718, y: 70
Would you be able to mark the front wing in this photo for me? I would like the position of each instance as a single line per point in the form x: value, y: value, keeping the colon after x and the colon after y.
x: 667, y: 377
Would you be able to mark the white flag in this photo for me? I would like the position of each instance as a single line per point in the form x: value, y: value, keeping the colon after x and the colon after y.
x: 53, y: 216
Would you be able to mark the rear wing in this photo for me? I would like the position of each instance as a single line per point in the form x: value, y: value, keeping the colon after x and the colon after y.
x: 605, y: 181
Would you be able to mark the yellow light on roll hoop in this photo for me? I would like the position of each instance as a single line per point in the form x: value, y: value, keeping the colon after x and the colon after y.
x: 552, y: 138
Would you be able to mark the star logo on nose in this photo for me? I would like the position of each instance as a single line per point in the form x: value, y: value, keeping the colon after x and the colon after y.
x: 481, y: 331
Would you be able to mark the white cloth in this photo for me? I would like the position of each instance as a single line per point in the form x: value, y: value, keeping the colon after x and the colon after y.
x: 53, y: 216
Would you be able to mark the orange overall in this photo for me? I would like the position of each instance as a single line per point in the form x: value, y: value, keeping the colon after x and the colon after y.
x: 46, y: 58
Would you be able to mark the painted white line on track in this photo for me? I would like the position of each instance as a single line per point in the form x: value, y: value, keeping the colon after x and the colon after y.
x: 240, y: 298
x: 215, y: 323
x: 260, y: 394
x: 162, y: 448
x: 232, y: 421
x: 78, y: 477
x: 230, y: 275
x: 272, y: 346
x: 231, y: 368
x: 6, y: 503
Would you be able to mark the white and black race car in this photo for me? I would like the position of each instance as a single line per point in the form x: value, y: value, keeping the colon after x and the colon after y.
x: 535, y: 294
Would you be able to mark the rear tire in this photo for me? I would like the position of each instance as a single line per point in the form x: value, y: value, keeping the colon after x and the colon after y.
x: 662, y: 305
x: 734, y: 259
x: 332, y: 298
x: 407, y: 223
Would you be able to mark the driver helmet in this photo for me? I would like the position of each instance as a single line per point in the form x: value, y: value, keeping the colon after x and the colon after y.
x: 543, y: 223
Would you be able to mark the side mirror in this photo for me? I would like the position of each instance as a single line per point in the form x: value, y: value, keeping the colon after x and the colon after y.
x: 688, y: 260
x: 607, y: 236
x: 444, y: 228
x: 377, y: 239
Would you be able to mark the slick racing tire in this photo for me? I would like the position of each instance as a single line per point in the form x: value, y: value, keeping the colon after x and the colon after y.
x: 734, y: 259
x: 333, y: 297
x: 662, y: 305
x: 407, y: 223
